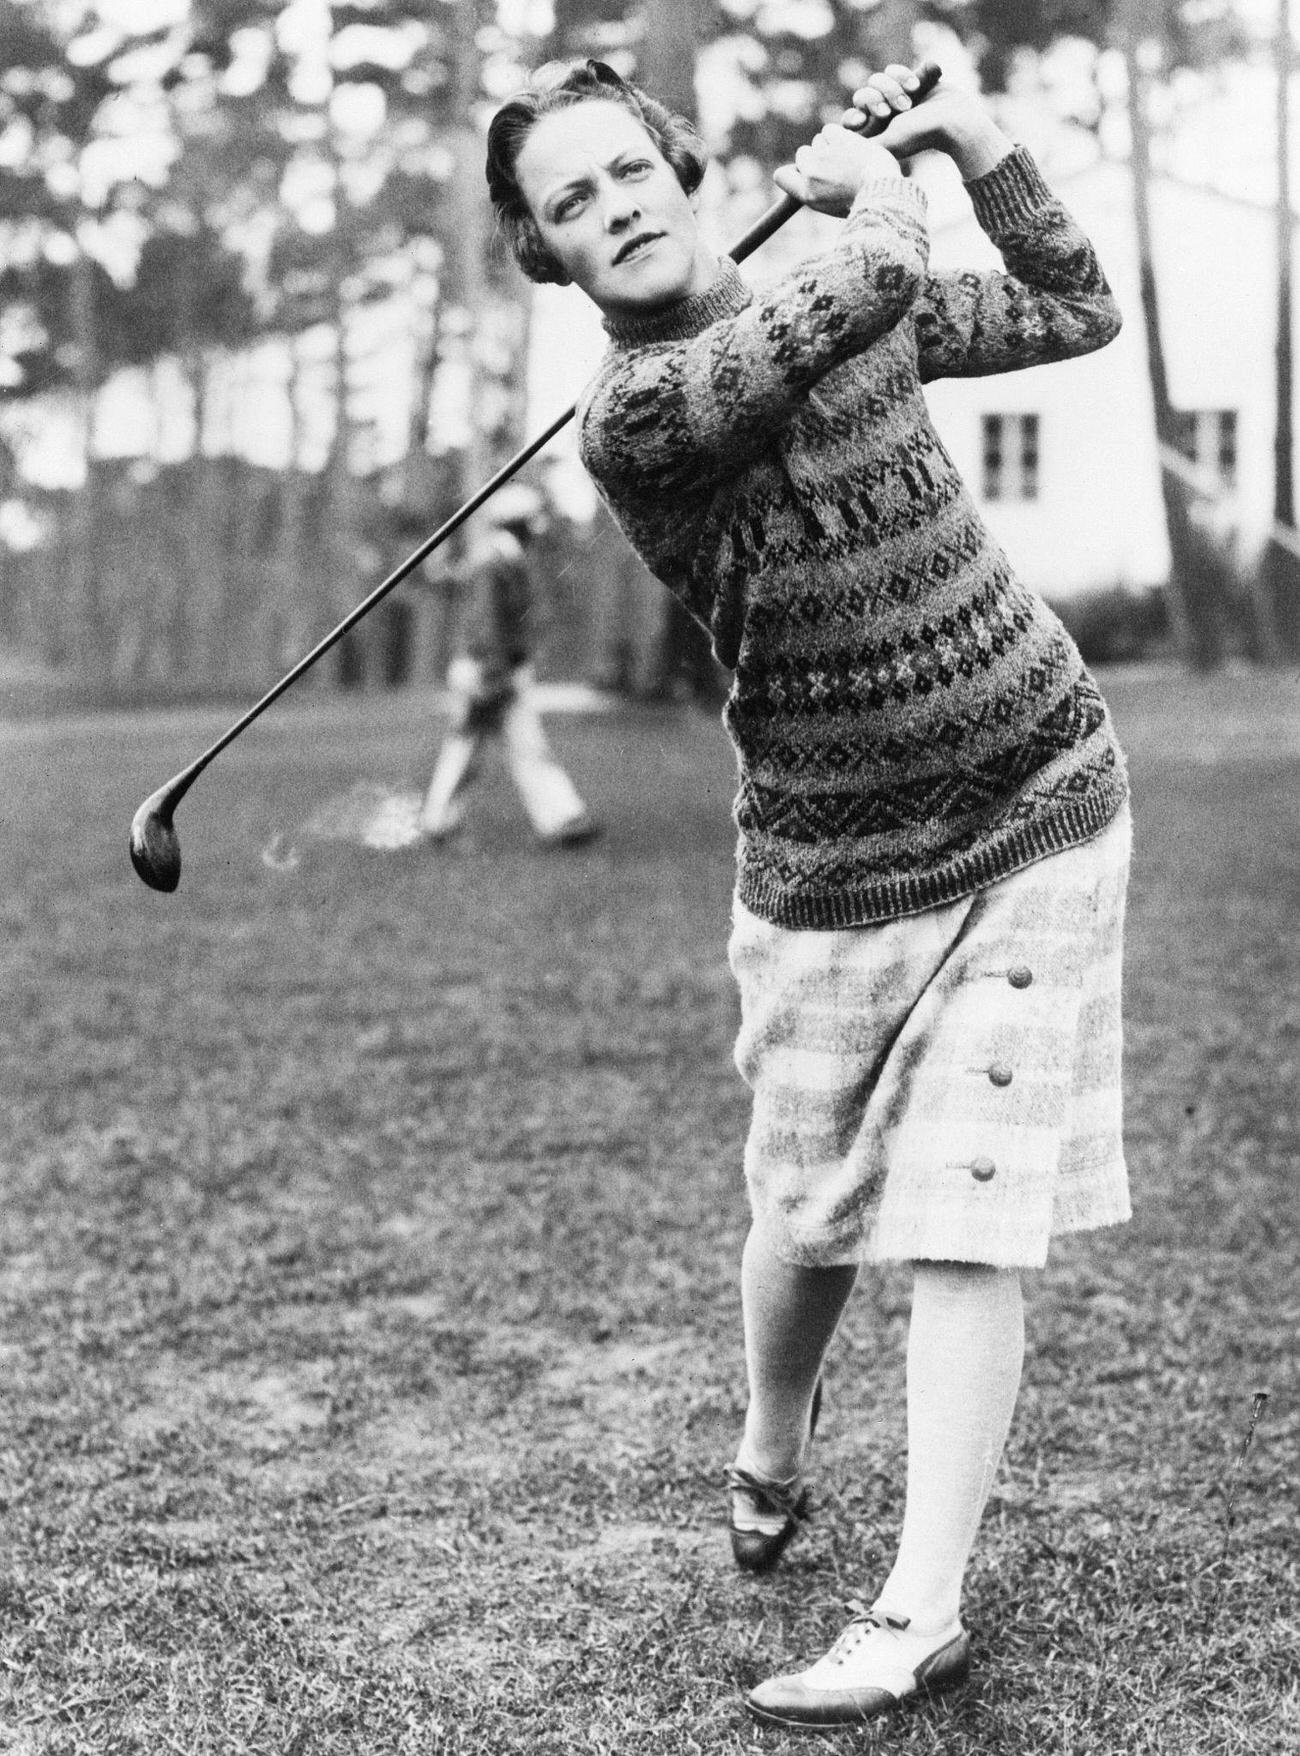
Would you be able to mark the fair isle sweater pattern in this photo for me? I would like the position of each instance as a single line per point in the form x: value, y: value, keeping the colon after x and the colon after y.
x: 911, y: 722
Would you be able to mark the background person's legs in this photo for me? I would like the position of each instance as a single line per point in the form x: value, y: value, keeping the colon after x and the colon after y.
x: 444, y: 803
x: 553, y: 804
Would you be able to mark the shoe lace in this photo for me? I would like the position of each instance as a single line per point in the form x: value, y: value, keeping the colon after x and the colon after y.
x: 864, y: 1622
x: 775, y: 1497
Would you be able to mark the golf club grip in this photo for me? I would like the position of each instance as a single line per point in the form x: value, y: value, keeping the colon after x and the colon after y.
x: 928, y: 75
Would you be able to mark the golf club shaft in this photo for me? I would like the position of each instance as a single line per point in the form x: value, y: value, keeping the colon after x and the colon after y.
x: 187, y: 776
x: 776, y: 216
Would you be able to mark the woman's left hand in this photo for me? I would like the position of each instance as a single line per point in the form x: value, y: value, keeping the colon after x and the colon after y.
x: 828, y: 172
x: 947, y: 120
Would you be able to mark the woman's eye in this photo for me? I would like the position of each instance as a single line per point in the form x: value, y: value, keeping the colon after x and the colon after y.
x: 567, y: 207
x: 636, y: 167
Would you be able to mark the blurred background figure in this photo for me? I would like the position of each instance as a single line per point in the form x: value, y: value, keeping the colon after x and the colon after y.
x: 492, y: 685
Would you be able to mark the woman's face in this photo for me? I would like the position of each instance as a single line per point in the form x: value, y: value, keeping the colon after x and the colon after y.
x: 611, y: 211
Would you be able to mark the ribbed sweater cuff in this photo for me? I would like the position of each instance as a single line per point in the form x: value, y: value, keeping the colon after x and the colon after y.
x: 1012, y: 193
x: 871, y: 194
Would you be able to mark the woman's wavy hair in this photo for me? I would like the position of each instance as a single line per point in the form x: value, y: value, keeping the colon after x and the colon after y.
x: 558, y: 86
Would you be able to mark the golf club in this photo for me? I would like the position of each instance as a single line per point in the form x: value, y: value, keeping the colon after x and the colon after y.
x: 154, y: 843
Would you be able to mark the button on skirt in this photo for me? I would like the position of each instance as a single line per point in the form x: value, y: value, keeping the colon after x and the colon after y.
x: 946, y: 1086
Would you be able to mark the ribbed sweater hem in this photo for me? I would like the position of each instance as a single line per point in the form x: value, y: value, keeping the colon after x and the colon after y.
x: 885, y: 899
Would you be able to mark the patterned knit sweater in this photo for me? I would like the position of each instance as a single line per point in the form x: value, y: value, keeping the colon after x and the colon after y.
x: 911, y: 722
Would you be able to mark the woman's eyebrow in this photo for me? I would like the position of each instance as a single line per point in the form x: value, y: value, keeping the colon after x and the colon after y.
x: 579, y: 181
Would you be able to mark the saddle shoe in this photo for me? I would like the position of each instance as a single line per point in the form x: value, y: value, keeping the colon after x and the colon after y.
x: 874, y: 1667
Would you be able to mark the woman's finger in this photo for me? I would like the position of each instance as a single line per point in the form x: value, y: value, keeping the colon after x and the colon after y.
x: 904, y: 75
x: 871, y: 100
x: 891, y: 89
x: 886, y: 93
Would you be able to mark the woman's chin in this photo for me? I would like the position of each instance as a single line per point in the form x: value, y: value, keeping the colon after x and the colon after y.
x: 652, y: 287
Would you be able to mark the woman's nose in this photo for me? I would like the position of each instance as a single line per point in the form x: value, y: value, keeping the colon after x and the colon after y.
x: 620, y: 209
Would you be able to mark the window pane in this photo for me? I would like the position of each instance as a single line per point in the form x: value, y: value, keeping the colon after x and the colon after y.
x: 1227, y: 450
x: 1029, y: 441
x: 1209, y: 438
x: 1009, y: 456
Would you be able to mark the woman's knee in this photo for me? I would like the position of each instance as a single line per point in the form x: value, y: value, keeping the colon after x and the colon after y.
x: 964, y: 1279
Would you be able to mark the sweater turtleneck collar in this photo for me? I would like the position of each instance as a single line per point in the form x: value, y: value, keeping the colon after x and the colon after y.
x: 688, y: 317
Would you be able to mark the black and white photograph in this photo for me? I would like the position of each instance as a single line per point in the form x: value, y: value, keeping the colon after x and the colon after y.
x: 650, y: 923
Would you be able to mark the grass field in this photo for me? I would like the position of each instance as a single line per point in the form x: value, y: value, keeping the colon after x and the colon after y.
x: 370, y: 1351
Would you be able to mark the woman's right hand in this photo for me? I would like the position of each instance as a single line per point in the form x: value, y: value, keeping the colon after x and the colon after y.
x: 948, y: 120
x: 827, y: 173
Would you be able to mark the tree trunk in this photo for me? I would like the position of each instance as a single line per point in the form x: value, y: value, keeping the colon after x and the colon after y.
x: 10, y: 620
x: 1277, y: 591
x: 289, y: 630
x: 418, y: 505
x: 202, y: 582
x: 466, y: 277
x: 166, y: 544
x: 339, y: 590
x: 1191, y: 609
x: 426, y: 366
x: 683, y: 663
x: 81, y: 637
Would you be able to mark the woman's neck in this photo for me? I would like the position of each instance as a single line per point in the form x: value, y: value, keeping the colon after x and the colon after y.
x: 726, y: 295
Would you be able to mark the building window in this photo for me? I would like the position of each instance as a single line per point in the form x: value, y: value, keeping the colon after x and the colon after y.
x: 1209, y: 438
x: 1010, y: 457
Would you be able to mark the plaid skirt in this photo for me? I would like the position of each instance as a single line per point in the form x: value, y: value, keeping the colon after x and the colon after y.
x: 946, y: 1086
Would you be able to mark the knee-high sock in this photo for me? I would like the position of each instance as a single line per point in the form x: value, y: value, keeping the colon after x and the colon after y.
x: 791, y: 1315
x: 965, y: 1351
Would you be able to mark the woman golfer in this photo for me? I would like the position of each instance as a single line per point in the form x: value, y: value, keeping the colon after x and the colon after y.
x: 932, y: 810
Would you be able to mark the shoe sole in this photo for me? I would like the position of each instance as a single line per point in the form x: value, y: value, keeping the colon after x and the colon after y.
x: 915, y: 1698
x: 574, y: 838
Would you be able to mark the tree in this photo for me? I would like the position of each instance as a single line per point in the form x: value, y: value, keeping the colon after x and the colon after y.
x: 1155, y: 38
x: 66, y: 75
x: 327, y: 160
x: 1193, y: 612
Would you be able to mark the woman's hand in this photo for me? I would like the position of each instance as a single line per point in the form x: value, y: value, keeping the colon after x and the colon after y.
x: 829, y: 171
x: 947, y: 120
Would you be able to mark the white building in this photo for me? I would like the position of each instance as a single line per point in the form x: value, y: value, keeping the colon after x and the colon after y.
x: 1063, y: 458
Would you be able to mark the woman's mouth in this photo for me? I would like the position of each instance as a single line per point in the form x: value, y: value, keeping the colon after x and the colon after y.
x: 636, y: 247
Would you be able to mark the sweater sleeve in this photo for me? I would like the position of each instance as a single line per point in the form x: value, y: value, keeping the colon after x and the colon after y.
x: 688, y: 413
x: 1052, y: 302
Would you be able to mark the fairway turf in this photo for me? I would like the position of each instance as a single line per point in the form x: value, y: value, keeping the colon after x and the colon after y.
x: 371, y: 1350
